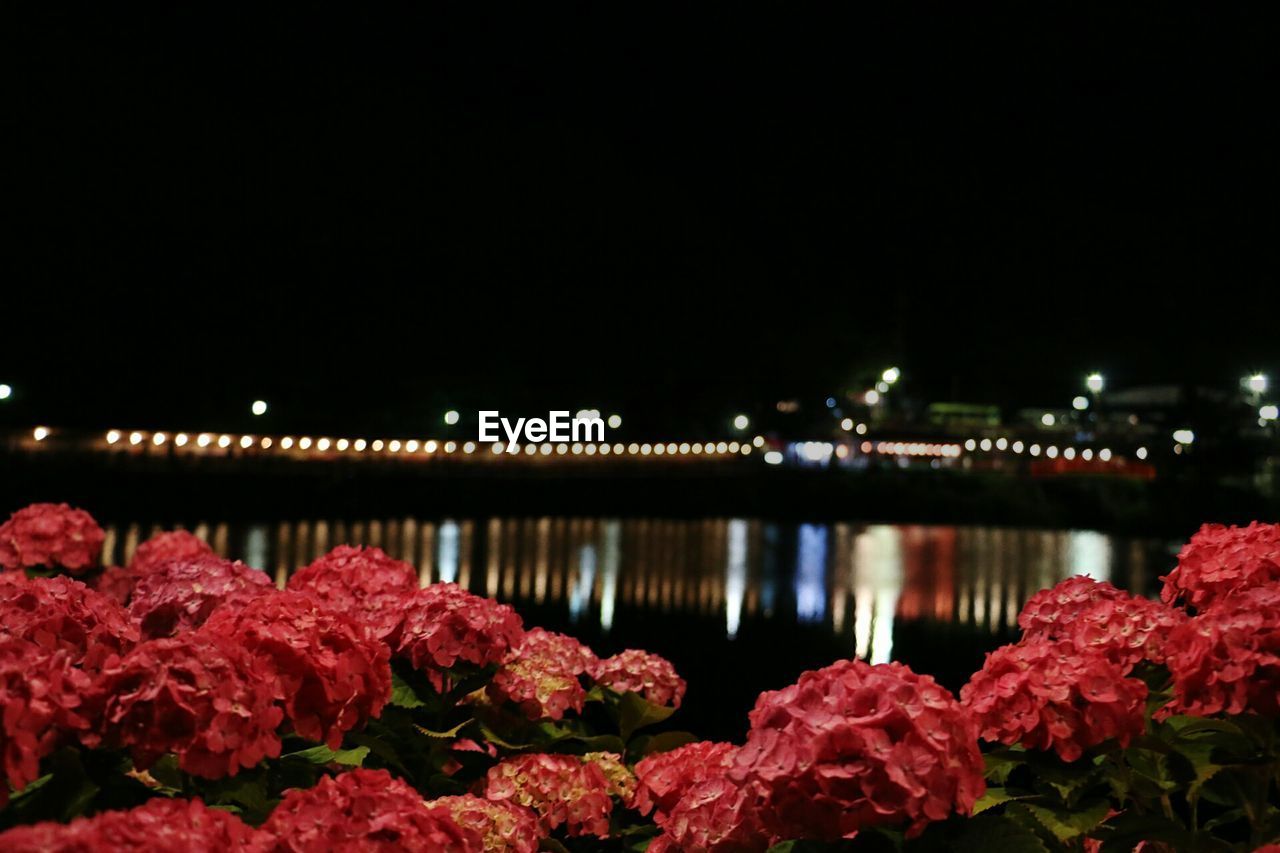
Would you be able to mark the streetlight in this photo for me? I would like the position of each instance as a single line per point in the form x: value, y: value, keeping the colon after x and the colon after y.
x: 1184, y: 436
x: 259, y: 407
x: 6, y: 391
x: 741, y: 422
x: 615, y: 421
x: 872, y: 397
x: 1080, y: 403
x: 451, y: 417
x: 891, y: 375
x: 1257, y: 383
x: 1095, y: 383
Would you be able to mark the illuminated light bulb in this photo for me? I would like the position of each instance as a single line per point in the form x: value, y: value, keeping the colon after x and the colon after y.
x: 1184, y: 436
x: 515, y: 448
x: 721, y: 447
x: 286, y: 442
x: 1001, y: 443
x: 1269, y: 412
x: 378, y: 444
x: 1069, y: 453
x: 246, y: 441
x: 159, y: 438
x: 113, y: 436
x: 605, y: 449
x: 304, y: 443
x: 1104, y: 454
x: 882, y: 387
x: 865, y: 447
x: 224, y: 441
x: 430, y: 446
x: 6, y: 391
x: 659, y: 449
x: 1048, y: 419
x: 497, y: 448
x: 135, y: 438
x: 1017, y: 447
x: 1095, y: 382
x: 40, y: 433
x: 181, y: 439
x: 733, y: 447
x: 259, y: 407
x: 741, y: 422
x: 204, y: 439
x: 746, y: 450
x: 322, y: 444
x: 530, y: 449
x: 1141, y: 453
x: 394, y: 445
x: 891, y: 375
x: 1052, y: 452
x: 359, y: 445
x: 1086, y: 454
x: 871, y: 397
x: 696, y: 447
x: 469, y: 447
x: 590, y: 449
x: 615, y: 421
x: 451, y: 417
x: 1034, y: 450
x: 773, y: 457
x: 1080, y: 403
x: 411, y: 446
x: 342, y: 444
x: 266, y: 442
x: 846, y: 424
x: 450, y: 446
x: 758, y: 441
x: 618, y: 448
x: 861, y: 429
x: 671, y: 448
x: 1257, y: 383
x: 970, y: 445
x: 545, y: 449
x: 576, y: 449
x: 985, y: 444
x: 842, y: 452
x: 633, y: 448
x: 645, y: 450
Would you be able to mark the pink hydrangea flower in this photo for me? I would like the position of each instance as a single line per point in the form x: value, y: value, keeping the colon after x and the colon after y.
x: 635, y: 671
x: 1219, y: 561
x: 363, y: 582
x: 563, y: 789
x: 541, y: 676
x: 53, y: 536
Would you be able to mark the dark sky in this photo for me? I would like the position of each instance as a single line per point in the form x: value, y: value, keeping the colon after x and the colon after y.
x: 369, y: 218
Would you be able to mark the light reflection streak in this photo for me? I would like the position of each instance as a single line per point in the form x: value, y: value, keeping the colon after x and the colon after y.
x: 735, y: 577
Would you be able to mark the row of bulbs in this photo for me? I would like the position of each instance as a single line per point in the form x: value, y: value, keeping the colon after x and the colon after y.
x: 1052, y: 451
x: 412, y: 446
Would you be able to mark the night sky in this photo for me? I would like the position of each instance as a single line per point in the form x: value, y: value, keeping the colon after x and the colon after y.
x: 672, y: 213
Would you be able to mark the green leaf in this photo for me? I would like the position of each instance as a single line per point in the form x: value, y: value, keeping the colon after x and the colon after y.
x: 403, y: 695
x: 324, y: 755
x: 994, y: 797
x: 635, y: 712
x: 990, y: 832
x: 1068, y: 823
x: 1001, y: 763
x: 450, y: 734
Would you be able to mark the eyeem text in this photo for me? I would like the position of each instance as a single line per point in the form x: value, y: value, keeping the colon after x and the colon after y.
x: 558, y: 426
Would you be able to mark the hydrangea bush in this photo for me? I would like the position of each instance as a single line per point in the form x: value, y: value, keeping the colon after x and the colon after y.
x: 182, y: 702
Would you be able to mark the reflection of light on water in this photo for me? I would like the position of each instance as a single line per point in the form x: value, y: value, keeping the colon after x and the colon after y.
x: 877, y: 585
x: 735, y: 576
x: 1088, y: 553
x: 609, y: 572
x: 769, y: 569
x: 580, y: 595
x: 811, y: 571
x: 448, y: 551
x: 256, y: 546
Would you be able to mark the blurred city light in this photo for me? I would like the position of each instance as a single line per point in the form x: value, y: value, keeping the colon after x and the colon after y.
x: 451, y: 417
x: 846, y: 424
x: 1184, y: 436
x: 40, y: 433
x: 615, y: 421
x: 1095, y: 383
x: 741, y: 422
x: 1269, y: 412
x: 259, y: 407
x: 6, y: 391
x: 1080, y: 403
x: 872, y: 397
x: 891, y: 375
x: 1141, y: 453
x: 773, y: 457
x: 1257, y: 383
x: 1048, y: 419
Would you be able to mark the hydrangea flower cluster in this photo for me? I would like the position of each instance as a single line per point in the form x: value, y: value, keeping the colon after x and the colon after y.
x: 200, y: 696
x: 1053, y: 695
x: 635, y: 671
x: 163, y: 547
x: 1219, y: 561
x: 40, y: 702
x: 665, y: 777
x: 502, y: 825
x: 364, y: 810
x: 715, y: 815
x: 1096, y: 616
x: 160, y: 825
x: 854, y: 746
x: 445, y: 624
x: 51, y: 536
x: 180, y: 595
x: 63, y: 614
x: 541, y: 676
x: 1227, y: 660
x: 334, y: 676
x: 363, y: 582
x: 562, y: 789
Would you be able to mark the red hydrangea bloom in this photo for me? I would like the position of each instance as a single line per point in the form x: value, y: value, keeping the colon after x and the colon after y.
x: 1219, y: 561
x: 160, y: 824
x: 541, y: 676
x: 1053, y: 695
x: 163, y: 547
x: 1228, y: 659
x: 334, y: 675
x: 853, y: 746
x: 63, y: 614
x: 115, y: 582
x: 54, y: 536
x: 501, y: 825
x: 445, y: 624
x: 1126, y: 628
x: 40, y: 701
x: 363, y: 582
x: 562, y: 789
x: 635, y: 671
x: 665, y: 777
x: 199, y: 695
x: 180, y: 595
x: 365, y: 810
x: 714, y: 815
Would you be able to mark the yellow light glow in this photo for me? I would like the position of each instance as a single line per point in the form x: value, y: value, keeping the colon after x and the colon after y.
x: 451, y: 417
x: 323, y: 444
x: 159, y: 439
x: 378, y: 444
x: 286, y: 442
x: 113, y: 436
x: 469, y: 447
x: 180, y: 439
x: 204, y: 439
x: 304, y: 443
x: 266, y: 442
x: 615, y: 421
x: 359, y: 445
x: 224, y: 441
x: 246, y: 441
x: 342, y: 444
x: 40, y: 433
